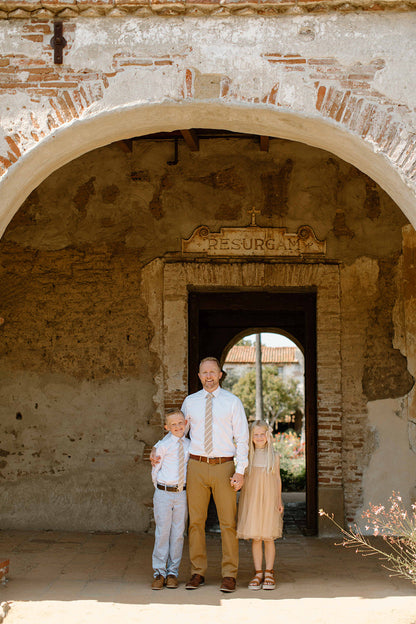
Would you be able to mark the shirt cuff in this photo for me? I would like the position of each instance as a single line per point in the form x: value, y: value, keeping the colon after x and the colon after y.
x: 240, y: 468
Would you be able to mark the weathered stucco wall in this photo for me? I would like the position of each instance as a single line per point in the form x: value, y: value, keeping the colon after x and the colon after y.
x: 337, y: 81
x: 76, y: 389
x: 81, y: 366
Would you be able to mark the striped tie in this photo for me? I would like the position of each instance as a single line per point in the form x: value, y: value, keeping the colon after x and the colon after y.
x: 208, y: 426
x: 181, y: 465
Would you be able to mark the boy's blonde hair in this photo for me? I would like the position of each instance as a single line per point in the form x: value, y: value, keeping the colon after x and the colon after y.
x: 271, y: 457
x: 172, y: 412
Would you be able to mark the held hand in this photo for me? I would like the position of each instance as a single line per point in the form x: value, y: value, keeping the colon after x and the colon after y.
x: 237, y: 481
x: 154, y: 459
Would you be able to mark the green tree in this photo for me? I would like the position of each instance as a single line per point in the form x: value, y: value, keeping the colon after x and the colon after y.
x: 244, y: 342
x: 229, y: 380
x: 280, y: 398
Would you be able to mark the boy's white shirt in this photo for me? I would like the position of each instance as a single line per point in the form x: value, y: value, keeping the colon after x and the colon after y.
x: 166, y: 471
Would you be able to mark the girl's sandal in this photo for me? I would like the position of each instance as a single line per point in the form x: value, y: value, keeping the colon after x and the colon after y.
x: 269, y: 581
x: 256, y: 581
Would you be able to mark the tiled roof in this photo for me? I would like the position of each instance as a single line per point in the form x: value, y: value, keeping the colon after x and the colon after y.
x: 269, y: 355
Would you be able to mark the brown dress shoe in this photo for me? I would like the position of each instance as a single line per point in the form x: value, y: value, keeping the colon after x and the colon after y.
x: 228, y: 584
x: 171, y: 581
x: 158, y: 582
x: 195, y: 581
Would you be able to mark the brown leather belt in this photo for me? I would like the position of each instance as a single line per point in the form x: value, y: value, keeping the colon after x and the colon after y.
x: 210, y: 460
x: 169, y: 488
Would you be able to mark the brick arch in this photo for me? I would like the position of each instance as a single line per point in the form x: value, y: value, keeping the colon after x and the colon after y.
x: 392, y: 169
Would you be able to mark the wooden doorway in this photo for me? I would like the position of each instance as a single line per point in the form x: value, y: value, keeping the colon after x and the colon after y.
x: 215, y: 318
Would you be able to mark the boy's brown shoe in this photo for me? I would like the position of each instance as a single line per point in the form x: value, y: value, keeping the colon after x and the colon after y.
x: 171, y: 581
x: 195, y: 581
x: 158, y: 582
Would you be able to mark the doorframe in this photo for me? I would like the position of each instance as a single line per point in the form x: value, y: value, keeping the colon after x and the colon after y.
x: 261, y: 306
x: 166, y: 283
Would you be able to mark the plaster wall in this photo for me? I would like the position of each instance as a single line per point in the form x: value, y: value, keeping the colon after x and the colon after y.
x: 337, y: 81
x: 388, y: 470
x: 76, y: 392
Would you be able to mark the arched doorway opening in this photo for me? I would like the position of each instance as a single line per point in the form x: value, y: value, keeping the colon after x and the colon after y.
x: 266, y: 371
x: 217, y: 320
x: 97, y: 257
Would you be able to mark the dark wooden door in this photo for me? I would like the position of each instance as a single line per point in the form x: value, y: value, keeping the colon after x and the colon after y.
x: 215, y: 318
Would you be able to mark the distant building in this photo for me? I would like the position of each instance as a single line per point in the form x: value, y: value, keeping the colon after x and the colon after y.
x: 289, y: 361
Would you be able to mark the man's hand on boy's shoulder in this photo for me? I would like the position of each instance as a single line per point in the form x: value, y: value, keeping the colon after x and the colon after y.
x: 154, y: 457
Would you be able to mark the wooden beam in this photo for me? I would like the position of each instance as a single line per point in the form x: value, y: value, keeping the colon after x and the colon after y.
x: 264, y: 143
x: 126, y: 145
x: 191, y: 139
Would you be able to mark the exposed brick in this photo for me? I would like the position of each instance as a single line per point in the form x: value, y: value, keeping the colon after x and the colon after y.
x: 320, y: 97
x: 189, y: 83
x: 13, y: 146
x: 342, y: 106
x: 273, y: 94
x: 36, y: 38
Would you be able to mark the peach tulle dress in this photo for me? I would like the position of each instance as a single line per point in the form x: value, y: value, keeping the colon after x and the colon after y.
x: 258, y: 515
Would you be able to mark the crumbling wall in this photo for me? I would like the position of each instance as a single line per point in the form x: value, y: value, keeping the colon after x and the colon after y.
x: 76, y: 390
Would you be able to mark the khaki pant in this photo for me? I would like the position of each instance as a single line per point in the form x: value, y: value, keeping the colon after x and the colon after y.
x: 202, y: 479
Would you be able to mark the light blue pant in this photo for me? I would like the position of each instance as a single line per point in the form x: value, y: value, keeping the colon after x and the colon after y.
x: 170, y: 511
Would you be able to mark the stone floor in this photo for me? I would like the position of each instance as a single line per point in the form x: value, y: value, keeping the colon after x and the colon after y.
x: 294, y: 520
x: 58, y: 577
x: 295, y: 513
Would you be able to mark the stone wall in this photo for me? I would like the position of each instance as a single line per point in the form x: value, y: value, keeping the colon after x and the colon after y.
x: 76, y: 390
x: 85, y: 359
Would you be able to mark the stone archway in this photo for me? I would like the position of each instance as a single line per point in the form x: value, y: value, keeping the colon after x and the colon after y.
x: 335, y: 81
x: 83, y: 135
x: 364, y: 271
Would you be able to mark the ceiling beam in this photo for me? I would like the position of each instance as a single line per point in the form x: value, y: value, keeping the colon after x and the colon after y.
x: 126, y: 145
x: 191, y: 139
x: 264, y: 143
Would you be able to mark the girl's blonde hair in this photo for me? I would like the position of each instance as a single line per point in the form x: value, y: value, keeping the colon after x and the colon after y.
x: 270, y: 464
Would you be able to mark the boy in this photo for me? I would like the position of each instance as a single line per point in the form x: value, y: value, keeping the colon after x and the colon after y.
x: 169, y: 501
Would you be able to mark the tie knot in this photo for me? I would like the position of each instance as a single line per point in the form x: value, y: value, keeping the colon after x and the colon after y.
x: 209, y: 395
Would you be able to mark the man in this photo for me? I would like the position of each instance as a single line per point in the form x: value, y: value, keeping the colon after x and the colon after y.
x: 218, y: 431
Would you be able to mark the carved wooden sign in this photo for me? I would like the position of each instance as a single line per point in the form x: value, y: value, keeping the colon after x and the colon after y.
x: 254, y: 241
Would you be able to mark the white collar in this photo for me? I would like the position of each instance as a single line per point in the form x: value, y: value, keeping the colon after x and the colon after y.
x: 215, y: 392
x: 173, y: 437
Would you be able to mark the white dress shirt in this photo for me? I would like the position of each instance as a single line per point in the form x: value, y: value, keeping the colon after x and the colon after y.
x: 166, y: 471
x: 229, y: 425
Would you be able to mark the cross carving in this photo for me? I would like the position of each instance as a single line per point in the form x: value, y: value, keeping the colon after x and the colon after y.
x: 253, y: 213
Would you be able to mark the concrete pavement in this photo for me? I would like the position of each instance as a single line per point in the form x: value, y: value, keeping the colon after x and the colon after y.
x: 58, y: 577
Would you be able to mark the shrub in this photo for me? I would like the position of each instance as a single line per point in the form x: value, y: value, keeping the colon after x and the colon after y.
x: 398, y: 529
x: 292, y: 461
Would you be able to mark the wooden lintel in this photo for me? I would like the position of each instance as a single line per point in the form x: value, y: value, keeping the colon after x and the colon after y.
x: 264, y: 143
x: 191, y: 139
x: 126, y: 145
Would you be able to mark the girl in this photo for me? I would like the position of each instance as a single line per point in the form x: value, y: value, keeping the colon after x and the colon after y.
x: 260, y: 512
